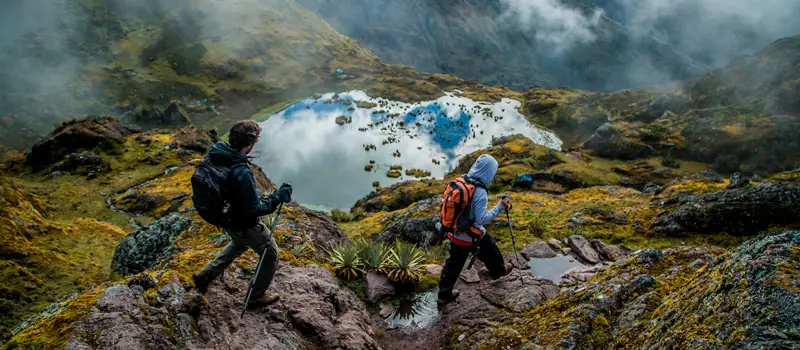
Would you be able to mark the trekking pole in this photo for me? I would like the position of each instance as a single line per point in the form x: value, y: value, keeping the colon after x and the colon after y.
x: 513, y: 242
x: 260, y: 262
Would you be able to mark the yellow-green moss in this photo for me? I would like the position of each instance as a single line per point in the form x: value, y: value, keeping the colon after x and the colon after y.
x: 54, y: 331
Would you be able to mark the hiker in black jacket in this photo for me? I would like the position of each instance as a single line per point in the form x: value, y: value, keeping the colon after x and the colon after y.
x: 245, y: 210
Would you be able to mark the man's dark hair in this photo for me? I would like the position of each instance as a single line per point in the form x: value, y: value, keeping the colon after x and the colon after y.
x: 244, y: 133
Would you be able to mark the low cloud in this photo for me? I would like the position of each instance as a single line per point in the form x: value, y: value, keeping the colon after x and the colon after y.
x: 552, y: 22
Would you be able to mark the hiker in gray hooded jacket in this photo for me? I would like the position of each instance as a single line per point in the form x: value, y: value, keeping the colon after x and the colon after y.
x: 462, y: 243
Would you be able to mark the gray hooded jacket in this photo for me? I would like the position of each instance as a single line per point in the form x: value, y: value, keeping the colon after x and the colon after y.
x: 483, y: 170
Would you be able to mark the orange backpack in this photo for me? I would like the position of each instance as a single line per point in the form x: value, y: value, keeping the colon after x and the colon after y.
x: 456, y: 203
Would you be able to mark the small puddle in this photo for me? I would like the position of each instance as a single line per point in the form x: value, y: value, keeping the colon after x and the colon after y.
x: 553, y: 268
x: 418, y: 311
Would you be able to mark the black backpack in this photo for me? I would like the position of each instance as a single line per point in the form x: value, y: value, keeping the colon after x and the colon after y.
x: 209, y: 187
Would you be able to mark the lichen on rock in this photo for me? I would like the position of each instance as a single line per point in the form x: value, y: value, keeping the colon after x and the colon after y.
x: 144, y: 248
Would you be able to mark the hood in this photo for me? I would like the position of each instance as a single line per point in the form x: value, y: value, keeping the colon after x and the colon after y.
x: 222, y: 154
x: 484, y: 169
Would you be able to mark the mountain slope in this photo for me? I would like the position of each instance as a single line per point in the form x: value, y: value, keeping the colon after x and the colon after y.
x: 240, y: 55
x: 473, y: 40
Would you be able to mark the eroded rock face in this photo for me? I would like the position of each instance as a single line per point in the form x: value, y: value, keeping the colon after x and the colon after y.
x: 738, y: 211
x: 313, y: 312
x: 142, y: 249
x: 76, y: 135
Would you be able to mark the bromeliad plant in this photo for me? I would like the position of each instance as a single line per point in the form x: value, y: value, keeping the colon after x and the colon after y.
x: 374, y: 256
x: 405, y: 263
x: 345, y: 261
x: 305, y: 250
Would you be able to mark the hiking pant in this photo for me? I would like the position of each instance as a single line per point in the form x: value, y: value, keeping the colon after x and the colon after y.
x: 259, y: 238
x: 489, y: 254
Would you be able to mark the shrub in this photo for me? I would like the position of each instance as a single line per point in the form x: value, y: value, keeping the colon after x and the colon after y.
x: 339, y: 215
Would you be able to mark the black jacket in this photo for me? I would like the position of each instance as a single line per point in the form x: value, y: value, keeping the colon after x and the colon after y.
x: 241, y: 191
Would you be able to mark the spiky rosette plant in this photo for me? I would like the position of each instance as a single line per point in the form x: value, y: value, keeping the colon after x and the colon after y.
x: 345, y: 261
x: 374, y: 256
x: 304, y: 250
x: 405, y: 263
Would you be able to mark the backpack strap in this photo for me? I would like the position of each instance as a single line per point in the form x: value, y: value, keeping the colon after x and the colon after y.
x: 474, y: 182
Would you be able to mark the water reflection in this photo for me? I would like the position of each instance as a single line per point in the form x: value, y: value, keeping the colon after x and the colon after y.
x: 553, y: 268
x: 418, y: 311
x: 322, y: 145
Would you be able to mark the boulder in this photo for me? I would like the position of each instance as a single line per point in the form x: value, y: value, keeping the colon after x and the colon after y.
x: 377, y: 287
x: 538, y: 249
x: 738, y: 211
x: 555, y: 244
x: 583, y: 249
x: 77, y: 135
x: 142, y: 249
x: 610, y: 252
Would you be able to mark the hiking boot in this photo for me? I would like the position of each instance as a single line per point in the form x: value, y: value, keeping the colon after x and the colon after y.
x: 447, y: 300
x: 265, y: 300
x: 201, y: 282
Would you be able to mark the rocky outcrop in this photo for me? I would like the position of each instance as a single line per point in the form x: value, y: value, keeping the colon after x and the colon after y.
x: 685, y: 297
x: 144, y: 248
x: 609, y: 142
x: 314, y: 311
x: 77, y: 135
x: 194, y: 140
x: 415, y: 225
x: 85, y: 163
x: 173, y: 115
x: 313, y: 225
x: 739, y: 211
